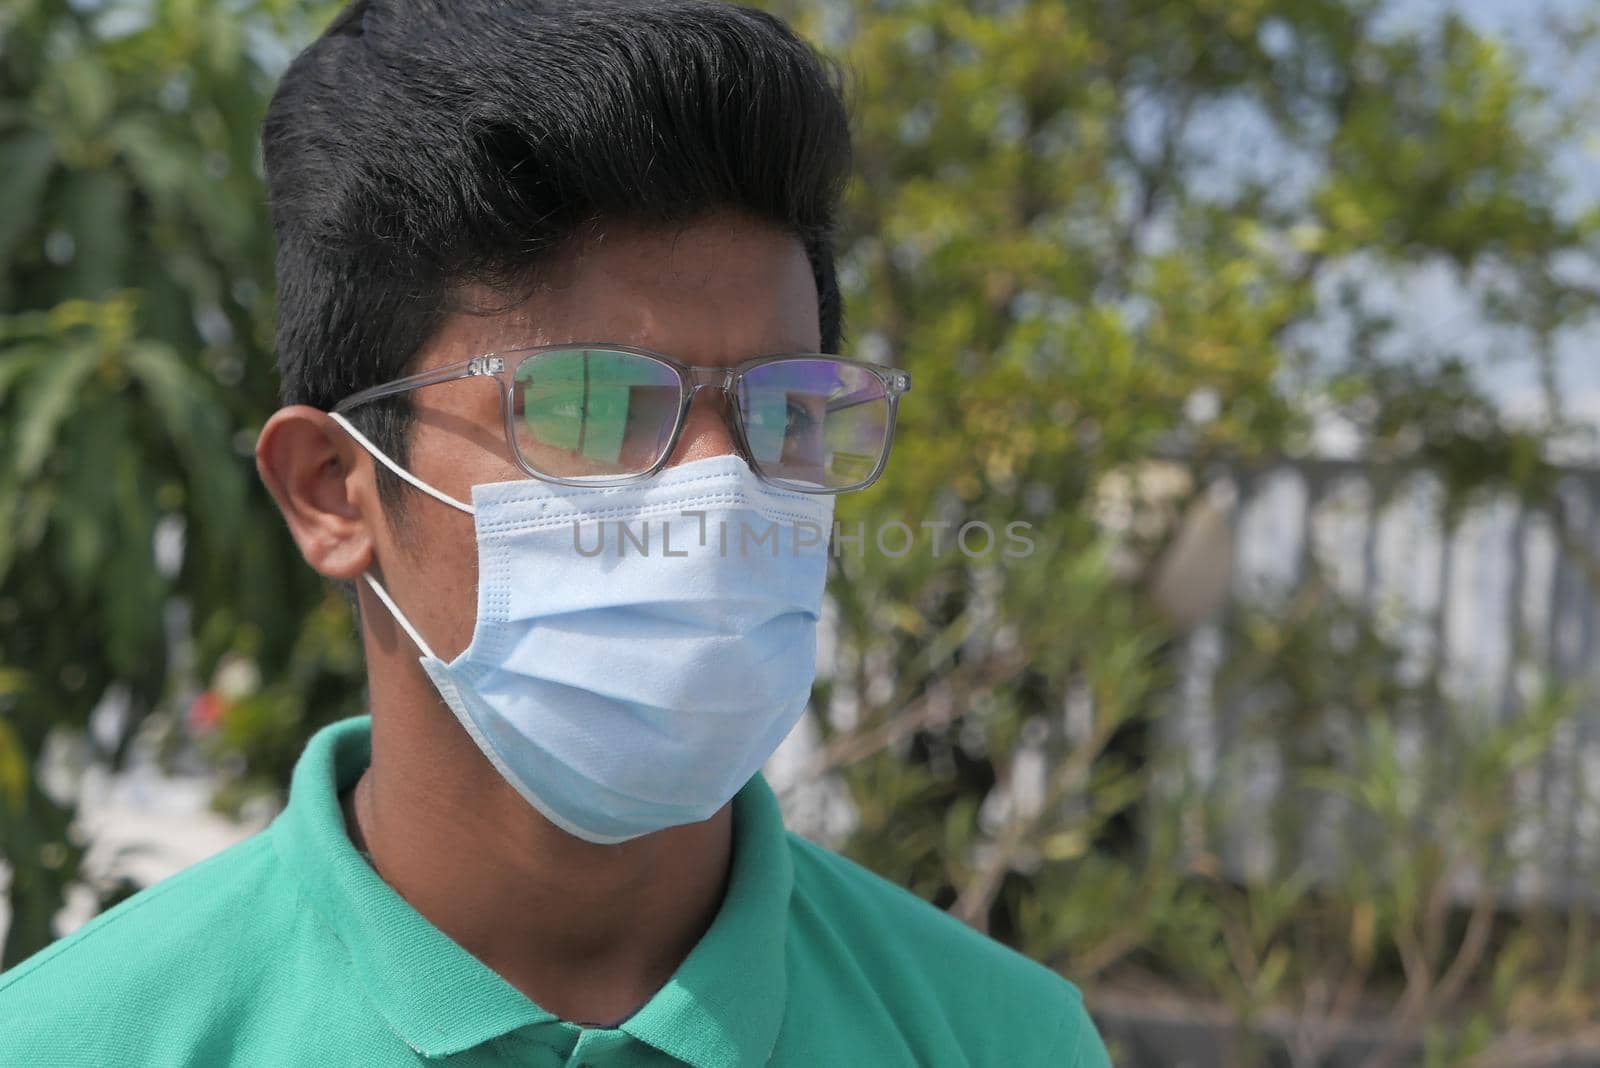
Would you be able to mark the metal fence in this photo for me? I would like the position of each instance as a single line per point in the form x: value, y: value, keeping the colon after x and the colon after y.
x: 1493, y: 603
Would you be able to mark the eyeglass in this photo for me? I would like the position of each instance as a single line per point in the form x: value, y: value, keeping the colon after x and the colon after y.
x: 611, y: 415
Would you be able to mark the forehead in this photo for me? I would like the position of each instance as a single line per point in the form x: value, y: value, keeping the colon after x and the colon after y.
x: 714, y: 291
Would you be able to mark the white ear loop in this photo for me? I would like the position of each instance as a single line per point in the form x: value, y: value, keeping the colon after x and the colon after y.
x: 399, y: 616
x: 444, y: 498
x: 378, y: 454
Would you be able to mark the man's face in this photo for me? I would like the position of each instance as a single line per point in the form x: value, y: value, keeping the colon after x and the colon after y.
x: 712, y: 293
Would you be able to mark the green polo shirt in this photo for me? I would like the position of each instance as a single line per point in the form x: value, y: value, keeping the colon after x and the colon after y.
x: 288, y: 949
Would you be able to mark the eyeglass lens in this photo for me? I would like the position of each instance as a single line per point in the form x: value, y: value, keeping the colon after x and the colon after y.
x: 810, y: 423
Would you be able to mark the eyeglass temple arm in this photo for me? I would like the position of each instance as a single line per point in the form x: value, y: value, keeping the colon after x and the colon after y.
x: 473, y: 368
x: 861, y: 396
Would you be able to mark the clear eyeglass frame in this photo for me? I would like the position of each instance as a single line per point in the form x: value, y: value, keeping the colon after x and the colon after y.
x: 503, y: 366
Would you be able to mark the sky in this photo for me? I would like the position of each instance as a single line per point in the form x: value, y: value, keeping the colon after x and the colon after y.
x: 1434, y: 302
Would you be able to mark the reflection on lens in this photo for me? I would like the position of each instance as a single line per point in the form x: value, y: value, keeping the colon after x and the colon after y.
x: 815, y: 421
x: 593, y: 412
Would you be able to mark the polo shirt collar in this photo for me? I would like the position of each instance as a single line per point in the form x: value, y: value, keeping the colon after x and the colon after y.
x: 722, y: 1008
x: 724, y: 1005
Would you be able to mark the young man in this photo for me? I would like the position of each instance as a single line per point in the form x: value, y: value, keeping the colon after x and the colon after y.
x: 552, y: 276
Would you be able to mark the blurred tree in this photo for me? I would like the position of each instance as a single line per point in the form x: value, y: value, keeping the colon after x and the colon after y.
x: 1113, y: 241
x: 135, y: 364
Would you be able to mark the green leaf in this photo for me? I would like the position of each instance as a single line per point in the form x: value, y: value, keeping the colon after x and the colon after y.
x: 163, y: 167
x: 26, y: 160
x: 16, y: 362
x: 95, y: 209
x: 45, y: 402
x: 87, y: 521
x: 13, y: 763
x: 134, y: 590
x: 193, y: 418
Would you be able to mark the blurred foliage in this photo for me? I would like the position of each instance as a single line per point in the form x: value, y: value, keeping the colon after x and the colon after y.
x: 1100, y: 288
x: 137, y: 547
x: 1108, y: 239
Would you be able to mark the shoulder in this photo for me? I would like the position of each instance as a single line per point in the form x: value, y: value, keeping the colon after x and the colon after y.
x: 164, y: 956
x: 883, y: 920
x: 908, y: 949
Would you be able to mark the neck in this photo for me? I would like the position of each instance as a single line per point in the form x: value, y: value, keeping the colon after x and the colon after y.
x: 587, y: 932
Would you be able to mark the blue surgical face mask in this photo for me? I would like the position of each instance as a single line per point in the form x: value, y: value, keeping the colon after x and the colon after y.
x: 640, y: 651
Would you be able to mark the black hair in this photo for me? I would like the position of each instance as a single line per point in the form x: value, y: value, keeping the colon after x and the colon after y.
x: 421, y: 144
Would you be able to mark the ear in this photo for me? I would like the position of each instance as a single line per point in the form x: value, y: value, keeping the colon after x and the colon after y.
x: 329, y: 499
